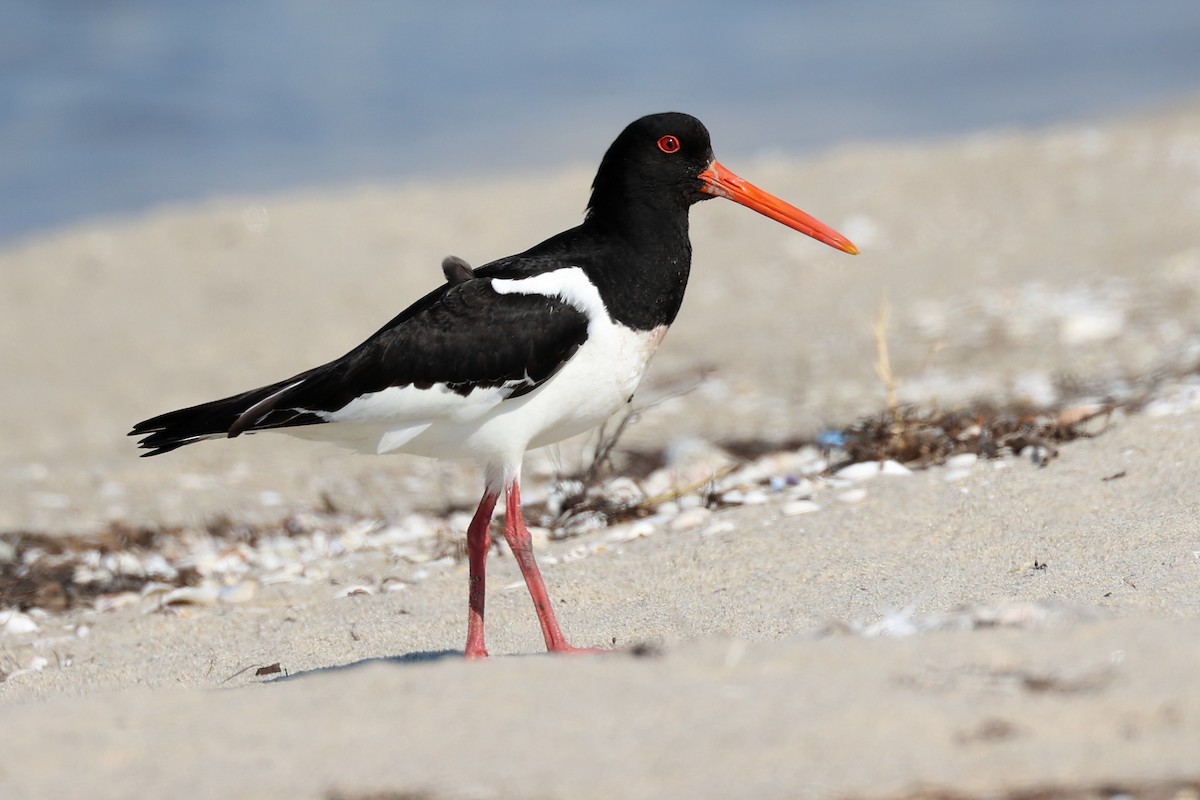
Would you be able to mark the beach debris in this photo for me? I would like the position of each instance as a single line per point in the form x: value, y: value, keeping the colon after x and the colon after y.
x: 691, y: 519
x: 259, y: 670
x: 36, y: 664
x: 865, y: 470
x: 907, y: 622
x: 852, y: 496
x: 677, y: 489
x: 15, y: 623
x: 795, y: 508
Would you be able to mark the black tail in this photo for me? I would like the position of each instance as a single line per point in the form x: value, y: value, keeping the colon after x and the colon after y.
x: 229, y: 416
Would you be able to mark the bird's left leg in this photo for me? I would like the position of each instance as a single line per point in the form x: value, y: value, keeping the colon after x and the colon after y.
x: 521, y: 545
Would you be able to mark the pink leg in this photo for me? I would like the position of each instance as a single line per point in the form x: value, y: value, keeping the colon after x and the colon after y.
x: 479, y: 541
x: 522, y: 549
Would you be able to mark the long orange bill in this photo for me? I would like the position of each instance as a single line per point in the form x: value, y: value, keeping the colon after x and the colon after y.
x: 720, y: 182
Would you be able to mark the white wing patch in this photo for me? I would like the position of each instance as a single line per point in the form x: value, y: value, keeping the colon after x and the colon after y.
x: 570, y: 285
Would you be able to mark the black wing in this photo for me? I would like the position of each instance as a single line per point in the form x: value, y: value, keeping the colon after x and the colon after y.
x: 463, y: 335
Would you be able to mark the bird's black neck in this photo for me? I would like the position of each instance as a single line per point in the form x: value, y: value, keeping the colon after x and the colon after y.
x: 642, y: 256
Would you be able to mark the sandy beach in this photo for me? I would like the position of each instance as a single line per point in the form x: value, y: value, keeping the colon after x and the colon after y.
x: 989, y: 627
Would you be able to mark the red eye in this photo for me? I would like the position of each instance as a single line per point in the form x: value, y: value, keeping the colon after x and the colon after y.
x: 668, y: 144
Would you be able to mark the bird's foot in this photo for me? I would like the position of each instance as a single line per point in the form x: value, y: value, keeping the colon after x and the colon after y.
x: 570, y: 650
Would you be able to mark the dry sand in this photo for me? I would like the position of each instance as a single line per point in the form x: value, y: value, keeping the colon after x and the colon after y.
x: 981, y: 631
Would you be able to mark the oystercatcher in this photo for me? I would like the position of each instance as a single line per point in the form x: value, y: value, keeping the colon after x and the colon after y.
x: 520, y: 353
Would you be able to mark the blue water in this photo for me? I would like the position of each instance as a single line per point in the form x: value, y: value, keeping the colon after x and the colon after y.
x: 112, y: 106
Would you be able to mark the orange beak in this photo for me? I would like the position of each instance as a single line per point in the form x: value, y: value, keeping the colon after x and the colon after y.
x: 720, y: 182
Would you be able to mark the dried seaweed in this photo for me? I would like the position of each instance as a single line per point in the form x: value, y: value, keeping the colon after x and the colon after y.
x: 921, y: 438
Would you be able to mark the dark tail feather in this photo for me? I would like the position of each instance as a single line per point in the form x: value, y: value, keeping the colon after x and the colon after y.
x: 229, y: 416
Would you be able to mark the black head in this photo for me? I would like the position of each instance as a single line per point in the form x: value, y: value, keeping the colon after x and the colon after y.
x: 662, y: 164
x: 657, y: 158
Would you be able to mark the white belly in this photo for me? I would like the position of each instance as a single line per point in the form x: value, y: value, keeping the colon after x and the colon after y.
x: 590, y: 388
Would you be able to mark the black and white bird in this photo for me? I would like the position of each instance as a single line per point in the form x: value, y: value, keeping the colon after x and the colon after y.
x: 517, y: 354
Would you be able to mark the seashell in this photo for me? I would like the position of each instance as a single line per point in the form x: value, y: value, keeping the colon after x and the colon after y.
x: 795, y: 508
x: 114, y: 602
x: 865, y: 470
x: 718, y: 527
x: 961, y: 461
x: 623, y: 492
x: 393, y: 584
x: 206, y: 594
x: 691, y: 519
x: 288, y: 573
x: 15, y: 623
x: 631, y: 531
x: 240, y: 592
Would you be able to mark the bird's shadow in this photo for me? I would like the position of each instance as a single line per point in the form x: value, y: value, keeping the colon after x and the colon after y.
x: 423, y: 657
x: 640, y: 650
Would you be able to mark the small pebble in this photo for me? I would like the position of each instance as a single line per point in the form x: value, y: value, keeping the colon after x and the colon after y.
x: 691, y: 519
x: 801, y: 489
x: 575, y: 554
x: 113, y: 602
x: 754, y: 497
x: 203, y: 595
x: 861, y: 471
x: 865, y: 470
x: 718, y: 527
x: 36, y: 664
x: 15, y: 623
x: 795, y: 508
x: 623, y: 491
x: 634, y: 530
x: 961, y: 461
x: 852, y: 496
x: 240, y: 592
x: 1038, y: 454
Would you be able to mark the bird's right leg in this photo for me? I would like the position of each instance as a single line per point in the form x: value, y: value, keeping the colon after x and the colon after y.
x: 479, y: 541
